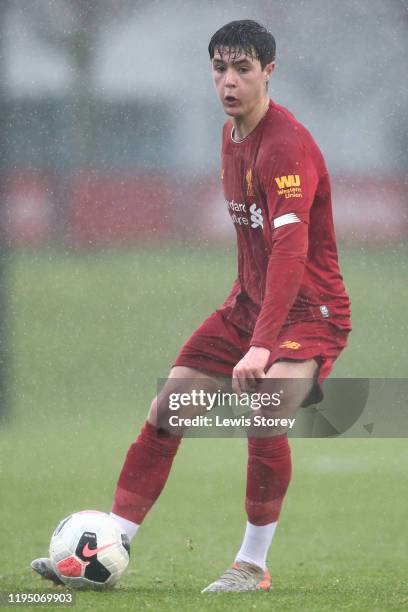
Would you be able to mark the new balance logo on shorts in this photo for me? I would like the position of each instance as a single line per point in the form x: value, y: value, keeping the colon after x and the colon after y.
x: 291, y: 344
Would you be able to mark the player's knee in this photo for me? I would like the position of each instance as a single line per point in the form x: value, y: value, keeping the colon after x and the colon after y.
x: 287, y: 395
x: 159, y: 406
x: 280, y: 403
x: 152, y: 414
x: 162, y: 406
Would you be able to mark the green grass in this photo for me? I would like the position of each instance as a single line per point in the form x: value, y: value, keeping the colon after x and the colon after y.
x: 90, y: 335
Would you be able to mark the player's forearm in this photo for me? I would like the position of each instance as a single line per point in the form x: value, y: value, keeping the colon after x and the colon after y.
x: 283, y: 281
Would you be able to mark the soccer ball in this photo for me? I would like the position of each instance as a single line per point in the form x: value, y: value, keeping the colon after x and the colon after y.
x: 89, y: 549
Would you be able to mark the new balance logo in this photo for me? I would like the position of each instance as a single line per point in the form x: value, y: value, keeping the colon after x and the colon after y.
x: 290, y: 344
x: 256, y: 216
x: 284, y: 182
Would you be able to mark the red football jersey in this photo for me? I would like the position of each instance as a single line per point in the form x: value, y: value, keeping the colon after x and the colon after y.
x: 277, y: 191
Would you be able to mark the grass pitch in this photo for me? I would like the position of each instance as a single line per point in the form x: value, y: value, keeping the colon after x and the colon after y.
x: 89, y: 337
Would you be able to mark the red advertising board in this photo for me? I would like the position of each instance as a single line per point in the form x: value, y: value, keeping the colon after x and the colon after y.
x: 29, y: 209
x: 114, y: 210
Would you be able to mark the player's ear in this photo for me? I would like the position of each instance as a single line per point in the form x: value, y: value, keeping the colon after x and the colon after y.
x: 268, y: 70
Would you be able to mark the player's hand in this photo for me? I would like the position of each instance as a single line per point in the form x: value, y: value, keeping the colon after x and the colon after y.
x: 251, y: 368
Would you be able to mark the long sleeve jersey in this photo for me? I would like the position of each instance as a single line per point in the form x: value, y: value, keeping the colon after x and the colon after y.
x: 277, y: 191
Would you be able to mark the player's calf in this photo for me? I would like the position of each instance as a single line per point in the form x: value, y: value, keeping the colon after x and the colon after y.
x: 150, y: 457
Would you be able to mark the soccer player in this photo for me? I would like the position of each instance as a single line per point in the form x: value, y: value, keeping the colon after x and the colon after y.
x: 287, y: 316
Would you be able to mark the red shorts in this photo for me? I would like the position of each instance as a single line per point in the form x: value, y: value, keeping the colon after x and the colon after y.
x: 217, y: 345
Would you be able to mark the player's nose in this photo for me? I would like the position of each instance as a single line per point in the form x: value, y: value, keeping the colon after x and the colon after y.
x: 230, y: 80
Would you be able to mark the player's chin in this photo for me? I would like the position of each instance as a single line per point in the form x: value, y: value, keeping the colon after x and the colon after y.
x: 232, y: 111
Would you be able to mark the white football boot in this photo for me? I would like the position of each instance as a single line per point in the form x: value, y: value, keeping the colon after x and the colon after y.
x: 241, y: 576
x: 44, y: 567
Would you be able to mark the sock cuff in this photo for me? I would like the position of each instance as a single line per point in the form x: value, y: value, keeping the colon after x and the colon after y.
x: 272, y: 447
x: 159, y: 440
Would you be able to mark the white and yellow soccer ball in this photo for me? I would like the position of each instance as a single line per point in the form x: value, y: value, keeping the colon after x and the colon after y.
x: 89, y: 549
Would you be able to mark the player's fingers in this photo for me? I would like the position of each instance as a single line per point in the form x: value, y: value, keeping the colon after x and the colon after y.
x: 251, y: 379
x: 259, y: 373
x: 238, y: 381
x: 248, y: 380
x: 236, y: 385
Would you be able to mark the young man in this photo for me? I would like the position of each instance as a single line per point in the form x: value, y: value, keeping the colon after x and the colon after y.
x: 287, y: 316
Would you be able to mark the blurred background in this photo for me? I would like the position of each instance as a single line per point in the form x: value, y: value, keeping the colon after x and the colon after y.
x: 111, y: 126
x: 109, y: 146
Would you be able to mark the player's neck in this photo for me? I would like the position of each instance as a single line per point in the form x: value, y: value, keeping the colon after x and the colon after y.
x: 245, y: 124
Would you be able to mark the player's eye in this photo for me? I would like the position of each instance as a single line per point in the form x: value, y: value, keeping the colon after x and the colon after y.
x: 219, y: 68
x: 243, y: 70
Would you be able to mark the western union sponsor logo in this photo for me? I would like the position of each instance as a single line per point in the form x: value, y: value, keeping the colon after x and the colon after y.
x: 284, y: 182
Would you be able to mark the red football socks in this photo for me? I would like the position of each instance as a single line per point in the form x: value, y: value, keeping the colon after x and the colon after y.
x: 149, y: 460
x: 268, y: 477
x: 144, y: 473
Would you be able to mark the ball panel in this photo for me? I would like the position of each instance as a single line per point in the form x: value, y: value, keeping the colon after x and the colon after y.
x: 96, y: 571
x: 61, y: 525
x: 70, y: 566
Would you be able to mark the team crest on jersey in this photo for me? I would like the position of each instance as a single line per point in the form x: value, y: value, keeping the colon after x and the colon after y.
x: 290, y: 344
x: 249, y: 182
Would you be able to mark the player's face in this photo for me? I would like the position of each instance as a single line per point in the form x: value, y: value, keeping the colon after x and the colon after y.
x: 240, y: 82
